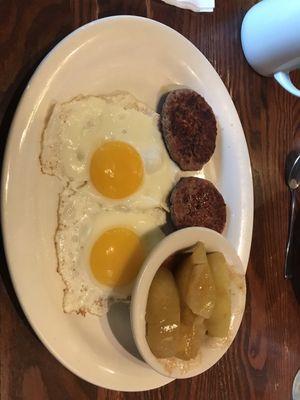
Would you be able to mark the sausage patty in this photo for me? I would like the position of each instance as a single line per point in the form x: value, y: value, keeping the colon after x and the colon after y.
x: 197, y: 202
x: 189, y: 129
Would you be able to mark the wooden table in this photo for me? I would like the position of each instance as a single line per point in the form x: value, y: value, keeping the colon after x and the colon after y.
x: 265, y: 356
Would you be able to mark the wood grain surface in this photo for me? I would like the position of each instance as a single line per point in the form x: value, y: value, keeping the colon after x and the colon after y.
x: 265, y: 356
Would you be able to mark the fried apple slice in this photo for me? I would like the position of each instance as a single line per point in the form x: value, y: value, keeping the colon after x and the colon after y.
x: 195, y: 283
x: 219, y: 321
x: 163, y: 315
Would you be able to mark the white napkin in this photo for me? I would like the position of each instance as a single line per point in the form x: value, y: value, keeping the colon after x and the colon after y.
x: 194, y: 5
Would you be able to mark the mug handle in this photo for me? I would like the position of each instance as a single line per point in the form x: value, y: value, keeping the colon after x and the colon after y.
x: 283, y: 78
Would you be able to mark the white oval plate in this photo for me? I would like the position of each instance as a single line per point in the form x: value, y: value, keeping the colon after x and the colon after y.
x: 145, y: 58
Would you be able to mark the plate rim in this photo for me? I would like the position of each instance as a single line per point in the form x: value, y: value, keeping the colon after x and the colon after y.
x: 9, y: 145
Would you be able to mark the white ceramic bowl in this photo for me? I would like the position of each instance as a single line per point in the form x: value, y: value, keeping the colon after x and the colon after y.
x: 213, y: 349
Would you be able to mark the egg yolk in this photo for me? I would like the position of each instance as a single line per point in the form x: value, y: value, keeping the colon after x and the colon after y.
x: 116, y: 257
x: 116, y: 170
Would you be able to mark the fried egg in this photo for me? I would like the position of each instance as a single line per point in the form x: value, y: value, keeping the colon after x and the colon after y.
x: 112, y: 146
x: 100, y: 251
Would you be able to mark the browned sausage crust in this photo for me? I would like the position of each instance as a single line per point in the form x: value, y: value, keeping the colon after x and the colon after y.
x: 189, y: 129
x: 197, y: 202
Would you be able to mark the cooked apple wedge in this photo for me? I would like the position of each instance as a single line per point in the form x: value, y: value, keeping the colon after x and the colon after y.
x: 198, y: 255
x: 195, y: 283
x: 163, y: 315
x: 191, y: 334
x: 219, y: 321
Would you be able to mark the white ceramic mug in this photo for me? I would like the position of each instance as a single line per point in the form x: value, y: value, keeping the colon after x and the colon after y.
x: 271, y: 39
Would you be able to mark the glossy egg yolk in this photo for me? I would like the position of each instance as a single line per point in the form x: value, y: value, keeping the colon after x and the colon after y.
x: 116, y: 170
x: 116, y: 257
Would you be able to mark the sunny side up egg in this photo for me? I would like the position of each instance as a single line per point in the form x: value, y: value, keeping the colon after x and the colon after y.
x: 116, y: 173
x: 101, y: 251
x: 112, y: 146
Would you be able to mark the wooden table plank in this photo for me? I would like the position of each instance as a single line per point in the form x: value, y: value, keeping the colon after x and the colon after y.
x: 266, y: 353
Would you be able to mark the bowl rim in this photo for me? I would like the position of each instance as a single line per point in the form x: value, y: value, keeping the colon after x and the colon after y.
x: 177, y: 241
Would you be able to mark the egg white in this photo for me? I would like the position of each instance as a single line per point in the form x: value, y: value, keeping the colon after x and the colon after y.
x: 81, y: 220
x: 77, y: 128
